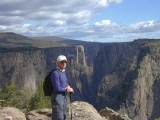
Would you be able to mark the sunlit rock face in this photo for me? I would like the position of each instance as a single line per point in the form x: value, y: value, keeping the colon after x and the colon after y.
x: 26, y: 69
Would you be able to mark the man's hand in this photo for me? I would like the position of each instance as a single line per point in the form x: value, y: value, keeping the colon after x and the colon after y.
x: 69, y: 89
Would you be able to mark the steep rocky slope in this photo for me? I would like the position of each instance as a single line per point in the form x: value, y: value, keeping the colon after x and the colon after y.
x: 142, y: 101
x: 26, y: 69
x: 126, y: 78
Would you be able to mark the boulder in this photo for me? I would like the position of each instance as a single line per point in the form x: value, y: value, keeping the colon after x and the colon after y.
x: 10, y: 113
x: 83, y: 111
x: 113, y: 115
x: 41, y: 114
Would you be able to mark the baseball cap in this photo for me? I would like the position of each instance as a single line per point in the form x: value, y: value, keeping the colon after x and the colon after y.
x: 61, y: 57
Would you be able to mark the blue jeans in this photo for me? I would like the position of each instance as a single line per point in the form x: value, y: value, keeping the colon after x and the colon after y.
x: 59, y: 106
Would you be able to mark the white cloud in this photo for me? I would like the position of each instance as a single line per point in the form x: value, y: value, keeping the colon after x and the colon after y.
x: 114, y: 1
x: 103, y: 23
x: 50, y: 9
x: 106, y: 3
x: 58, y: 22
x: 10, y: 20
x: 2, y: 27
x: 148, y: 26
x: 8, y: 1
x: 102, y: 3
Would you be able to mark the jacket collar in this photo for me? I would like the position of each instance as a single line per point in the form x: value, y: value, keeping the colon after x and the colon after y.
x: 60, y: 69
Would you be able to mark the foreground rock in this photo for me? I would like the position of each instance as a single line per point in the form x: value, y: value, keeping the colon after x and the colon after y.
x: 80, y: 111
x: 84, y: 111
x: 42, y: 114
x: 110, y: 114
x: 9, y: 113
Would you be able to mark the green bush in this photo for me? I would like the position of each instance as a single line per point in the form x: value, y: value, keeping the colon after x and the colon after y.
x: 24, y: 99
x: 39, y: 101
x: 15, y: 97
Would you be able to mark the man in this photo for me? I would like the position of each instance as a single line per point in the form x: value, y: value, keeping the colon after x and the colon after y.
x: 61, y: 86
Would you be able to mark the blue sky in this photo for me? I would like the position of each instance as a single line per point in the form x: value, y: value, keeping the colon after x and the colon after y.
x: 87, y: 20
x: 130, y: 11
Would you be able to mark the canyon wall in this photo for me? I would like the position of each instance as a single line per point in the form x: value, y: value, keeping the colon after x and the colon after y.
x: 142, y: 100
x: 122, y: 76
x: 26, y: 68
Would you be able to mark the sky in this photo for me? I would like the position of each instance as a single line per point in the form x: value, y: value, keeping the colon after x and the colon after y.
x: 87, y: 20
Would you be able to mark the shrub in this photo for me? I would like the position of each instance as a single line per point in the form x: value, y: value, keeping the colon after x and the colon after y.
x: 39, y: 101
x: 15, y: 97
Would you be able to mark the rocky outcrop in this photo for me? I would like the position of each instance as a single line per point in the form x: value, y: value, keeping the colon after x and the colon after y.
x: 9, y: 113
x: 41, y: 114
x: 110, y: 114
x: 84, y: 111
x: 80, y: 111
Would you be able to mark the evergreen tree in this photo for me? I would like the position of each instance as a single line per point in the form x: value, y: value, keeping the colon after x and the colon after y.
x: 39, y: 100
x: 15, y: 97
x: 23, y: 98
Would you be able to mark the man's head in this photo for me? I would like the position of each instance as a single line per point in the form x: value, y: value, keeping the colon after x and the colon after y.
x: 61, y: 61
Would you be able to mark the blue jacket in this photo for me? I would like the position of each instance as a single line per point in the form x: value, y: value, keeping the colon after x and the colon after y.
x: 59, y: 81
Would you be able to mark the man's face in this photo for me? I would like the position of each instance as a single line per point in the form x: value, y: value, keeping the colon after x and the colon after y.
x: 62, y: 64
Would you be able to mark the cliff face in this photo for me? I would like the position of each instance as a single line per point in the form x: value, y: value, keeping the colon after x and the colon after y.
x: 121, y: 76
x: 127, y: 77
x: 142, y: 101
x: 111, y: 72
x: 26, y: 69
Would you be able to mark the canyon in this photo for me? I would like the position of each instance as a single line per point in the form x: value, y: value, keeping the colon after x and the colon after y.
x: 122, y: 76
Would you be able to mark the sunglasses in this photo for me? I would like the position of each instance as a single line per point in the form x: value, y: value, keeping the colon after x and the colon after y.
x: 63, y: 62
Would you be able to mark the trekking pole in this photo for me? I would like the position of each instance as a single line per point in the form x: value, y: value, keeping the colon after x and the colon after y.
x: 70, y: 105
